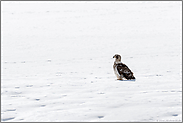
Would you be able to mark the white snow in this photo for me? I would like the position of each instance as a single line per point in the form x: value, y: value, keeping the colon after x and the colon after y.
x: 56, y: 61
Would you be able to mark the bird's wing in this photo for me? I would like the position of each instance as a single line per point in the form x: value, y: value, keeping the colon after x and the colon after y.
x: 120, y: 68
x: 125, y: 71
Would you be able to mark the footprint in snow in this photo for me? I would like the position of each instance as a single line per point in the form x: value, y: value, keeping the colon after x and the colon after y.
x: 6, y: 119
x: 29, y: 85
x: 10, y: 110
x: 49, y: 60
x: 101, y: 93
x: 100, y: 116
x: 175, y: 115
x: 43, y: 105
x: 173, y: 91
x: 37, y: 99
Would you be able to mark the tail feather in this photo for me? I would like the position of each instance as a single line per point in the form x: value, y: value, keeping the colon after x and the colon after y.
x: 129, y: 77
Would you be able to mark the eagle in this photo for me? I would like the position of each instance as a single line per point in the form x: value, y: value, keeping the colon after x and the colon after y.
x: 121, y: 70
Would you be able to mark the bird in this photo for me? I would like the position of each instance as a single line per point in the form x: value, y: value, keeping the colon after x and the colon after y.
x: 121, y: 70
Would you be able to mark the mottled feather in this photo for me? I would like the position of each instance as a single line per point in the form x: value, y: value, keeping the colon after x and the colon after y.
x: 125, y: 71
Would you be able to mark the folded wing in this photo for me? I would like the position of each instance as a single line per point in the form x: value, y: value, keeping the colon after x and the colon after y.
x: 125, y: 71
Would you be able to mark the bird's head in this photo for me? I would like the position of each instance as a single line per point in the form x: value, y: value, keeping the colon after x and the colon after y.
x: 117, y: 58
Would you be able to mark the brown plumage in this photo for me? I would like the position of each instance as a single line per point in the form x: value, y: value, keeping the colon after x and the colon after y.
x: 121, y: 70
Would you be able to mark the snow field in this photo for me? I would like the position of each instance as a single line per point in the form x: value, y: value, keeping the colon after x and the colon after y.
x: 57, y: 61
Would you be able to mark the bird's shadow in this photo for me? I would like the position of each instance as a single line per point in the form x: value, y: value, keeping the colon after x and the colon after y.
x: 127, y: 80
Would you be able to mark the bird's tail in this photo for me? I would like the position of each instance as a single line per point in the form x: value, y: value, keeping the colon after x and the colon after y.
x: 133, y: 77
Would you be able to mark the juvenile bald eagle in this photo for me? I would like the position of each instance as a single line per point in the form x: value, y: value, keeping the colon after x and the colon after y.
x: 121, y: 70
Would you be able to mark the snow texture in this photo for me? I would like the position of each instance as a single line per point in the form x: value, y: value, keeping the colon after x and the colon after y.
x: 56, y: 61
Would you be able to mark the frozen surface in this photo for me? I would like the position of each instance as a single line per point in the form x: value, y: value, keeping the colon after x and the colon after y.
x: 56, y: 61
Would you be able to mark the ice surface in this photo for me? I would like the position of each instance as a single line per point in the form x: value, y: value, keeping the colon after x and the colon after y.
x: 56, y: 61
